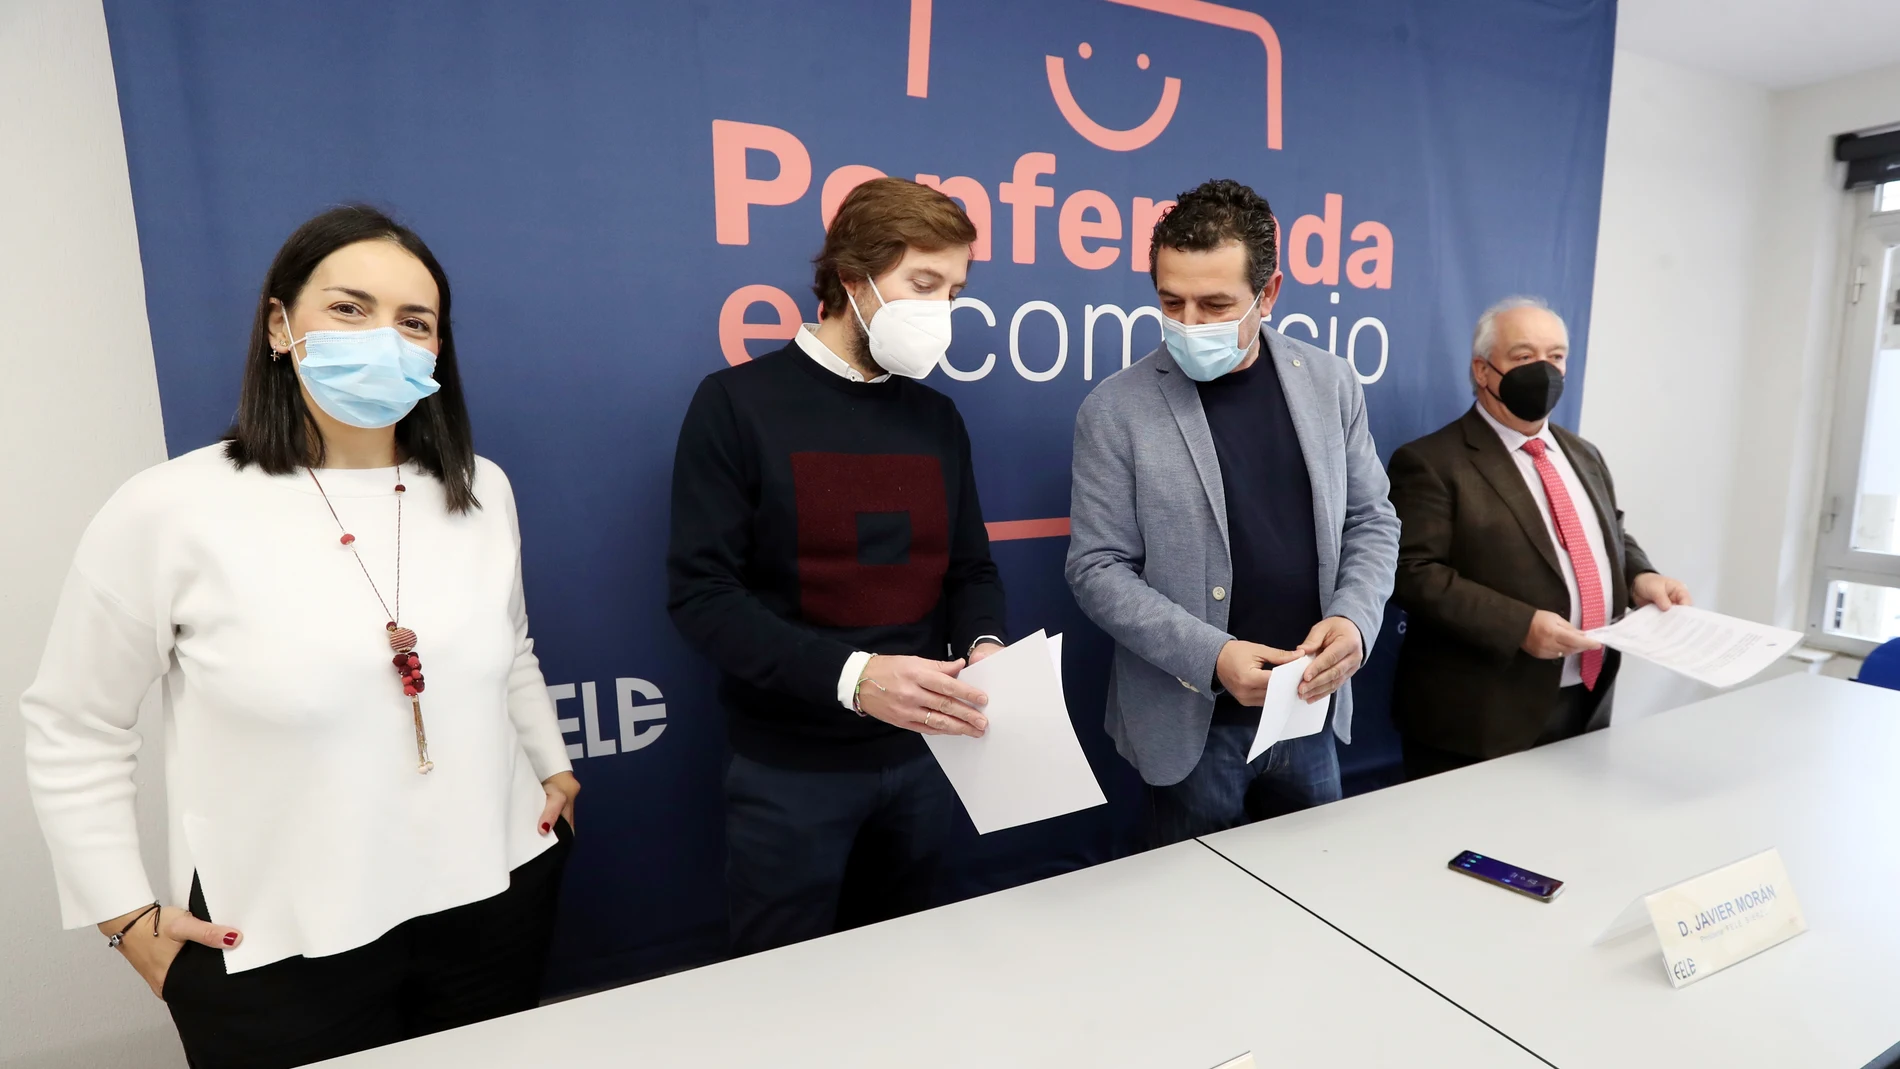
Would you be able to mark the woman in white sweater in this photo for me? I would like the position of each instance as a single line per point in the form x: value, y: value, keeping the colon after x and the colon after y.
x: 369, y: 799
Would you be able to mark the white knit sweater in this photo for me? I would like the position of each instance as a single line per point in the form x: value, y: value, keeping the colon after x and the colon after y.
x: 290, y: 755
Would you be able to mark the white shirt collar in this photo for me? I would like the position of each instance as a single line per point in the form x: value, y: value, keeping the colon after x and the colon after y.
x: 807, y: 338
x: 1514, y: 440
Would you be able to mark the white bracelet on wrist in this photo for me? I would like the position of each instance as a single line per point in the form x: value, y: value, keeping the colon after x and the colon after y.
x: 980, y: 639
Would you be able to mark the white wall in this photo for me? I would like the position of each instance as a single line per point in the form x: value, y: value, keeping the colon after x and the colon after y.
x: 1789, y: 378
x: 1683, y: 181
x: 78, y: 414
x: 1715, y: 330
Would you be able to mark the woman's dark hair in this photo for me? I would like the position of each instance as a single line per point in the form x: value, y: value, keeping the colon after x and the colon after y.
x: 1211, y: 215
x: 274, y: 428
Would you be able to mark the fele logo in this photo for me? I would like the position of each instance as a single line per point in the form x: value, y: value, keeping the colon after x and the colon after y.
x: 648, y: 710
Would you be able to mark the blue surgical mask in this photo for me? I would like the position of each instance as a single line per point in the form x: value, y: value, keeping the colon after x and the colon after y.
x: 365, y: 378
x: 1206, y: 351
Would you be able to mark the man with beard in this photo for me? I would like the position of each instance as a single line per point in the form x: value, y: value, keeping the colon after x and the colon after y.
x: 828, y: 554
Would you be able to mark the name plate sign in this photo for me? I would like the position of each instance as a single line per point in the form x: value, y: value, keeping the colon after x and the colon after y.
x: 1719, y: 918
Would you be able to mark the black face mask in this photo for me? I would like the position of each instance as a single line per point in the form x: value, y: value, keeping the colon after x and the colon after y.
x: 1530, y: 391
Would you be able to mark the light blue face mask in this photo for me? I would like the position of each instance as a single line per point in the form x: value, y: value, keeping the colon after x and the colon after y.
x: 1206, y: 351
x: 365, y: 378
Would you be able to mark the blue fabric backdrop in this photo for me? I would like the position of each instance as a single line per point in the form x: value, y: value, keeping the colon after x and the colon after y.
x: 604, y: 181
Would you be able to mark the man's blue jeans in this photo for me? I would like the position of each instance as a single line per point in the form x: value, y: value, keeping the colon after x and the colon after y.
x: 1226, y: 790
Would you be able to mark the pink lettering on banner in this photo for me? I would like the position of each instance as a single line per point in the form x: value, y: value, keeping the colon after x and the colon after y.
x: 1366, y: 268
x: 1102, y: 136
x: 734, y: 192
x: 1326, y: 229
x: 1091, y: 225
x: 1141, y: 229
x: 1372, y: 267
x: 1074, y: 227
x: 917, y: 83
x: 976, y: 204
x: 1233, y: 19
x: 838, y: 185
x: 735, y: 331
x: 1024, y: 196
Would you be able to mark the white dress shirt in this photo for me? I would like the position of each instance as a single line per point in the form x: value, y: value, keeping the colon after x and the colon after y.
x: 289, y: 749
x: 807, y: 339
x: 1586, y: 516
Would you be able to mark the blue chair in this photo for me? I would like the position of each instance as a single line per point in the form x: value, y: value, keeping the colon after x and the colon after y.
x: 1882, y: 667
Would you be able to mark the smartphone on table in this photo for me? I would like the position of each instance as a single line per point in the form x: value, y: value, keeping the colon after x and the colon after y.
x: 1510, y: 877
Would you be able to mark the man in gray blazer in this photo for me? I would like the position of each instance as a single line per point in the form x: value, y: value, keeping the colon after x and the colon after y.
x: 1229, y: 514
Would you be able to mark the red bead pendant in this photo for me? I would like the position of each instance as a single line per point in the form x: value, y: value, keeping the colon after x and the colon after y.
x: 348, y: 539
x: 408, y: 665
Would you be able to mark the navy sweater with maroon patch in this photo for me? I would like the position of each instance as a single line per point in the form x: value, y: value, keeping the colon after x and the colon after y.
x: 814, y: 517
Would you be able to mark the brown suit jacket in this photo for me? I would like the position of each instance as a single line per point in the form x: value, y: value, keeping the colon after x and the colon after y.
x: 1475, y: 563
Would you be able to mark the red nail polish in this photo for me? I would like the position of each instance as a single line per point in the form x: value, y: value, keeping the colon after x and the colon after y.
x: 230, y: 939
x: 545, y: 828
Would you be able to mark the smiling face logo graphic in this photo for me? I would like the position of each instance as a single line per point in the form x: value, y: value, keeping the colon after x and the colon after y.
x: 1113, y: 140
x: 1150, y: 128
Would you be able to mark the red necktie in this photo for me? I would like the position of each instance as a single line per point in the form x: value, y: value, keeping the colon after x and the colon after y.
x: 1570, y: 534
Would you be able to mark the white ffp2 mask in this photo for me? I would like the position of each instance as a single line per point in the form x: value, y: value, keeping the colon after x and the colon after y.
x: 907, y: 337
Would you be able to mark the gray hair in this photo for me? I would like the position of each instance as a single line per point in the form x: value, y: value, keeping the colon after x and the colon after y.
x: 1485, y: 337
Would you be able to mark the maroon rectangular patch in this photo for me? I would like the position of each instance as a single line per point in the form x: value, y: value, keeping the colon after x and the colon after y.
x: 873, y: 537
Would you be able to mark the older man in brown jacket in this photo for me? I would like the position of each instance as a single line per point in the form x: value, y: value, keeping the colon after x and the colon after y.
x: 1511, y: 548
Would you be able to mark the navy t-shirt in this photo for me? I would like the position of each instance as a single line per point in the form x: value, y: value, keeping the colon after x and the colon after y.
x: 1274, y: 599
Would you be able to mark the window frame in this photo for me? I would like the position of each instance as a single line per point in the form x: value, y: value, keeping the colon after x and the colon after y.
x: 1835, y: 558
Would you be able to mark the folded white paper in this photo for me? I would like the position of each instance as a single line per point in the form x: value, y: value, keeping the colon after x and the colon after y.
x: 1028, y: 766
x: 1284, y: 716
x: 1055, y: 658
x: 1635, y: 916
x: 1705, y: 646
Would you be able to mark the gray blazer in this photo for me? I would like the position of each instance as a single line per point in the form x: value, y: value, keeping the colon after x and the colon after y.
x: 1148, y: 546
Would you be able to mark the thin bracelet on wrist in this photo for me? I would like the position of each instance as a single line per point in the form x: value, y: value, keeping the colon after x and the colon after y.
x: 857, y: 692
x: 980, y: 639
x: 112, y: 942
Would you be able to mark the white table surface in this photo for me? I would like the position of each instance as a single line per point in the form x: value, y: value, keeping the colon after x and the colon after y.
x: 1806, y: 764
x: 1174, y: 959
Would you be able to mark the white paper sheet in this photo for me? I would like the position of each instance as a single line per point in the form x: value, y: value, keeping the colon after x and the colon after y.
x: 1028, y: 766
x: 1705, y: 646
x: 1284, y: 716
x: 1055, y: 657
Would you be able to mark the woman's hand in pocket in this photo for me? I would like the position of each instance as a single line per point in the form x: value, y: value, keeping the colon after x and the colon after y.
x: 152, y: 949
x: 561, y: 789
